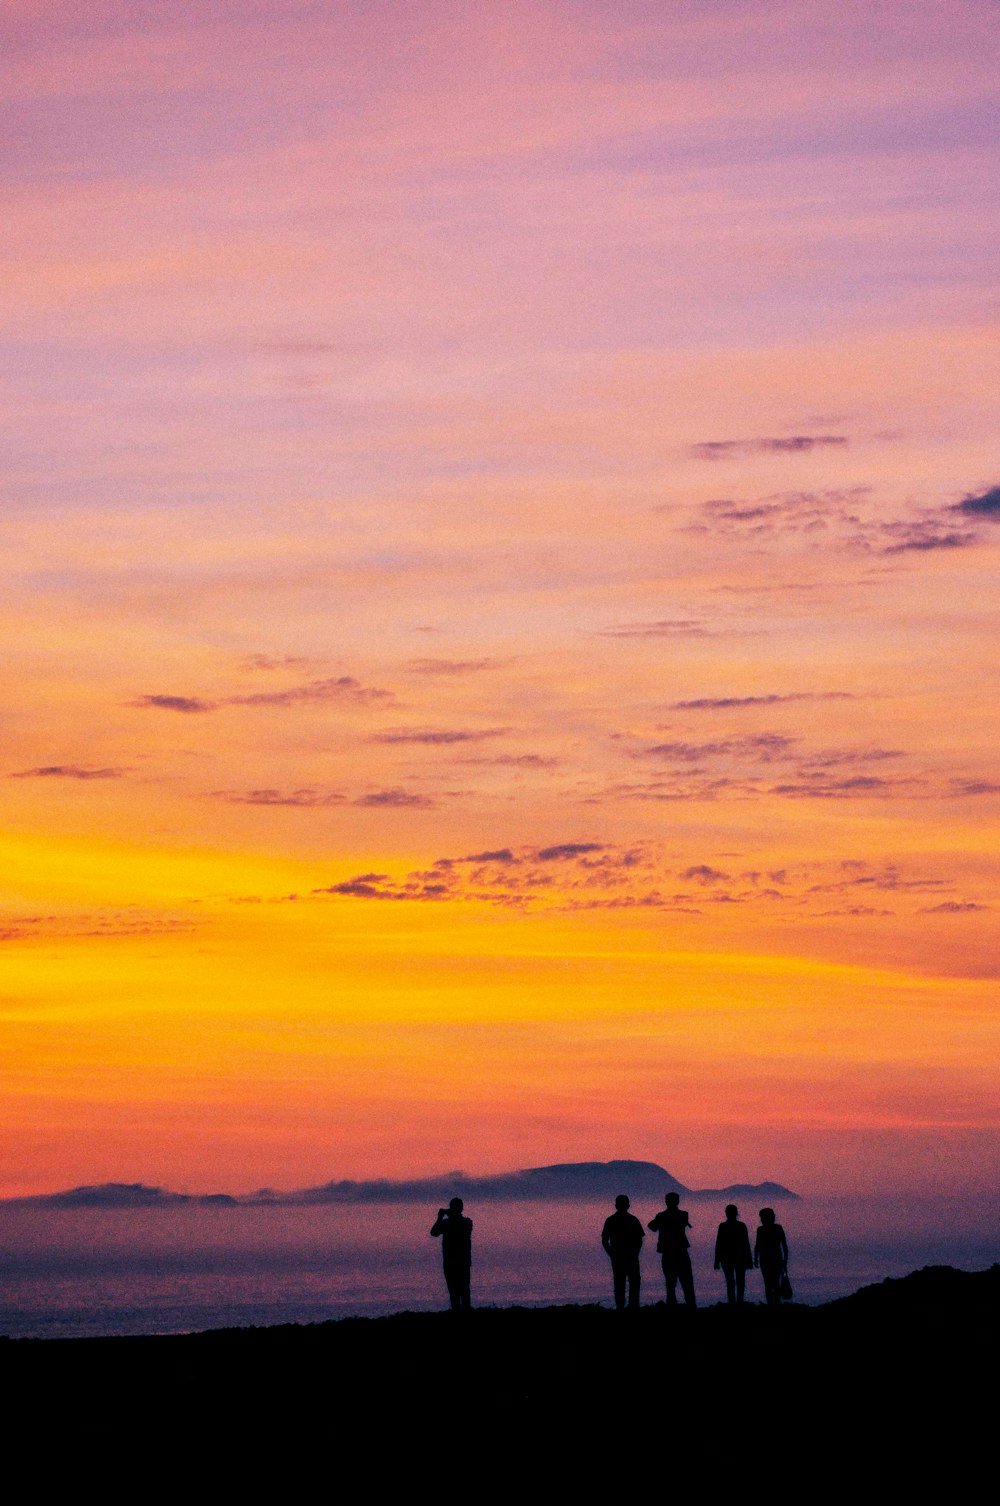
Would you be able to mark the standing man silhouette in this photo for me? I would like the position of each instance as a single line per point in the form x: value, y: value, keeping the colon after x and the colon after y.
x: 733, y: 1255
x: 622, y: 1238
x: 455, y: 1233
x: 672, y: 1243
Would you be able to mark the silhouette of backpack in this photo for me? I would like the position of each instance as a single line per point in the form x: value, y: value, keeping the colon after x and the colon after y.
x: 785, y: 1289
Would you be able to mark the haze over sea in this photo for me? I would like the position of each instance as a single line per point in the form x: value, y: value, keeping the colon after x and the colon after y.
x: 76, y: 1272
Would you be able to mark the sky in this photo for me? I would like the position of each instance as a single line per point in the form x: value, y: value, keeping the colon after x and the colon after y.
x: 499, y: 516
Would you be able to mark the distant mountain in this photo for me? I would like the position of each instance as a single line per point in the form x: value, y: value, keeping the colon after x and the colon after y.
x: 121, y: 1195
x: 762, y: 1190
x: 565, y: 1181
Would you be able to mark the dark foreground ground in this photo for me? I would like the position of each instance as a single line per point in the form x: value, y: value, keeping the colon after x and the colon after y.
x: 891, y: 1388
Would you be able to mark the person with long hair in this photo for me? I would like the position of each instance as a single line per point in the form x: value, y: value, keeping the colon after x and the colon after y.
x: 770, y: 1255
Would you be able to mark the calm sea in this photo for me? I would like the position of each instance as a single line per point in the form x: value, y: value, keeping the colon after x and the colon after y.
x: 71, y: 1273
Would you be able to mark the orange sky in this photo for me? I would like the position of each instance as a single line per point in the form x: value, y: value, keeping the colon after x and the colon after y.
x: 500, y: 523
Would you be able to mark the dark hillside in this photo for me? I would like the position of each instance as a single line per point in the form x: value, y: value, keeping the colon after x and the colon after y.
x: 886, y: 1373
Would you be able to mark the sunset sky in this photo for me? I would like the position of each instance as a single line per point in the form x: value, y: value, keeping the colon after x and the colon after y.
x: 501, y: 521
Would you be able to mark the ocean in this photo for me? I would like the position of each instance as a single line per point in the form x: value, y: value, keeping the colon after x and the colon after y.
x: 71, y: 1273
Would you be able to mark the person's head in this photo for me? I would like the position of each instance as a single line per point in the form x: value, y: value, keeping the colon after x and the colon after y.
x: 767, y: 1215
x: 731, y: 1210
x: 672, y: 1199
x: 622, y: 1203
x: 456, y: 1205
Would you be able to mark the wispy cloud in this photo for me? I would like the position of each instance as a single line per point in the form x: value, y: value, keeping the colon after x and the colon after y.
x: 339, y: 688
x: 838, y: 757
x: 455, y: 666
x: 857, y: 873
x: 793, y: 444
x: 764, y: 747
x: 566, y: 850
x: 68, y: 771
x: 584, y: 875
x: 308, y: 799
x: 847, y: 519
x: 821, y: 787
x: 737, y: 703
x: 98, y: 925
x: 855, y: 911
x: 922, y: 537
x: 394, y: 799
x: 664, y: 627
x: 953, y: 907
x: 269, y: 662
x: 514, y: 761
x: 187, y: 704
x: 437, y: 737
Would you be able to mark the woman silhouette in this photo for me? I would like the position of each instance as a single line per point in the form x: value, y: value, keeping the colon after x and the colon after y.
x: 770, y: 1253
x: 733, y: 1256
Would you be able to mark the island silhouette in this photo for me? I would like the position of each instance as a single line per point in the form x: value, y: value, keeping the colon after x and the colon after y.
x: 576, y: 1181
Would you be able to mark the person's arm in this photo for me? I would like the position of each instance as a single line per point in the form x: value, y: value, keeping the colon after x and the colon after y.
x: 606, y: 1238
x: 756, y: 1249
x: 718, y: 1250
x: 439, y: 1226
x: 783, y: 1247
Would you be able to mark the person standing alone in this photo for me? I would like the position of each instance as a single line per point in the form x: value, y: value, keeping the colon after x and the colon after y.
x: 455, y: 1233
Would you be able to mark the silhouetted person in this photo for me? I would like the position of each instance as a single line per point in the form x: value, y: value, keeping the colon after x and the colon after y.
x: 455, y: 1232
x: 670, y: 1227
x: 622, y: 1238
x: 733, y: 1255
x: 770, y: 1253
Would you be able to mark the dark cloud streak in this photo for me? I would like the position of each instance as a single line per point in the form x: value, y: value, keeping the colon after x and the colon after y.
x: 188, y: 704
x: 437, y: 737
x: 737, y: 703
x: 794, y: 444
x: 986, y: 505
x: 67, y: 771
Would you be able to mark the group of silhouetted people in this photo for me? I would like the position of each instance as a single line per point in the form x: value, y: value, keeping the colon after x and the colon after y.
x: 622, y: 1238
x: 623, y: 1235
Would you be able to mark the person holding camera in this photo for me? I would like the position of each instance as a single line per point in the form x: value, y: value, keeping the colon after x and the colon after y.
x: 671, y: 1225
x: 455, y: 1233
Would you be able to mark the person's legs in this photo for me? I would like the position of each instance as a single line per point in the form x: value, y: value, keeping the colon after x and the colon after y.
x: 731, y: 1275
x: 618, y: 1273
x: 670, y: 1278
x: 457, y: 1276
x: 772, y: 1277
x: 741, y: 1281
x: 687, y: 1280
x: 634, y: 1282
